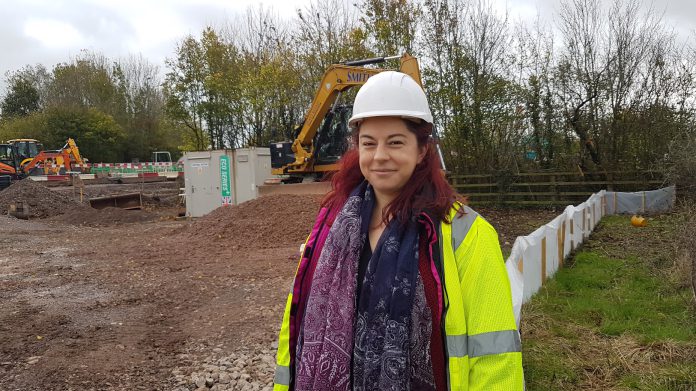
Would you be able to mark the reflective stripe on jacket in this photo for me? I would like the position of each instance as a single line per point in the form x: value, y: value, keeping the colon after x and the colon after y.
x: 482, y: 343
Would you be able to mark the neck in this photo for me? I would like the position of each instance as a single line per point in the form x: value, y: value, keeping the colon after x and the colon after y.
x: 381, y: 202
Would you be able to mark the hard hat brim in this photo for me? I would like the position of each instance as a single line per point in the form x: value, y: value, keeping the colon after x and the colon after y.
x: 413, y: 116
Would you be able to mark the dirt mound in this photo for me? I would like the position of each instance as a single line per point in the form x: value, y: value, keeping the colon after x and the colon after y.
x: 102, y: 217
x: 42, y: 201
x: 268, y: 221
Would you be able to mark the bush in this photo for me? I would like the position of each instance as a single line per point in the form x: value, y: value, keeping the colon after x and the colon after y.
x: 681, y: 163
x: 686, y: 261
x: 97, y: 134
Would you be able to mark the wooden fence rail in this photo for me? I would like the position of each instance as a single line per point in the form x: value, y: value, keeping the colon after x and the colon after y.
x: 550, y: 188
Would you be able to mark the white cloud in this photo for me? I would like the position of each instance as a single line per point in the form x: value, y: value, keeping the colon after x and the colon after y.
x: 53, y: 34
x: 155, y: 27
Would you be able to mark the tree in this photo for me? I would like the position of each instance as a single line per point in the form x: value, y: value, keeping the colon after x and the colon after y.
x: 467, y: 77
x: 98, y: 135
x: 87, y: 81
x: 271, y: 86
x: 22, y: 98
x: 326, y: 33
x: 391, y: 25
x: 535, y: 64
x: 184, y: 89
x: 138, y: 82
x: 32, y: 125
x: 582, y: 71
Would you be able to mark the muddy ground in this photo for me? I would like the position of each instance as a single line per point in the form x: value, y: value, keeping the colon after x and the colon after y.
x: 118, y: 306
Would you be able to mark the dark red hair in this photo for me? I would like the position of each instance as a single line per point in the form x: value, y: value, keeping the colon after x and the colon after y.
x: 426, y: 191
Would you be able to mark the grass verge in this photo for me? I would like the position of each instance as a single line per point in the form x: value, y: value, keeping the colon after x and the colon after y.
x: 618, y: 316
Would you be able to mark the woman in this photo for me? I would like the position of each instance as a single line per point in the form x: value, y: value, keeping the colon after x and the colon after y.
x: 400, y: 286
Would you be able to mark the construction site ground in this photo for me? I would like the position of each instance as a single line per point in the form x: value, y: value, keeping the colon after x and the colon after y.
x: 137, y: 300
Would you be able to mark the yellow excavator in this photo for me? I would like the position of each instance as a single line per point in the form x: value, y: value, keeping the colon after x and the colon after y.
x: 323, y: 136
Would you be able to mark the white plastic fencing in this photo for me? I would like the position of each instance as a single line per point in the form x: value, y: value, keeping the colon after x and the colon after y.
x: 537, y: 256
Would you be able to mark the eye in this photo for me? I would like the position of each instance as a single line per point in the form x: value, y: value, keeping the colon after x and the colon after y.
x: 396, y: 142
x: 367, y: 143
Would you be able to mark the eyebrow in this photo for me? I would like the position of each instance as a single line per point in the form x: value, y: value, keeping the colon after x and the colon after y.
x: 388, y: 137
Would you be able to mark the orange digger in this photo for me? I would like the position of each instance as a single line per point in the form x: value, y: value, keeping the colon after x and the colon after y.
x: 23, y: 157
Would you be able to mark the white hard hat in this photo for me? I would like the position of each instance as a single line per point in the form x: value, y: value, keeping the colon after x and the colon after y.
x: 388, y: 94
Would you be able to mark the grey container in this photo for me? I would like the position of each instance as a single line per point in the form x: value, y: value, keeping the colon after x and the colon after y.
x: 204, y: 180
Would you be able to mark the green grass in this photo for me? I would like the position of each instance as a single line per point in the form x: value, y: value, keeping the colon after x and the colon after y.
x: 612, y: 319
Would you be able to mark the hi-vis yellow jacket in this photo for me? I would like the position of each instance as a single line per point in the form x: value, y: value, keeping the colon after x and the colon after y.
x: 482, y: 343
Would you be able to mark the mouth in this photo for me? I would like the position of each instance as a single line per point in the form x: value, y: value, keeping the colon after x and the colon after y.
x: 382, y: 174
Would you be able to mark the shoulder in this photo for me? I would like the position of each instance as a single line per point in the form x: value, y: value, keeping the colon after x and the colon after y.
x: 475, y: 245
x: 467, y: 222
x: 471, y: 248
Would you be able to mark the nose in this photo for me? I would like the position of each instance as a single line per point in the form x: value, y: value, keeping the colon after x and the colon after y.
x: 381, y: 152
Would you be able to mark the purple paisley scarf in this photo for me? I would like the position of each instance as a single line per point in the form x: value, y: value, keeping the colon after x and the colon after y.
x: 339, y: 350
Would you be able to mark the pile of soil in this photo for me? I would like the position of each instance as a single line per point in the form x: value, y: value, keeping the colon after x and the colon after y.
x: 265, y: 222
x: 42, y: 201
x: 286, y: 220
x: 104, y: 217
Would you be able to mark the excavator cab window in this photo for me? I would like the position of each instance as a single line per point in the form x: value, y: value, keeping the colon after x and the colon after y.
x: 28, y: 149
x: 332, y: 138
x: 6, y: 155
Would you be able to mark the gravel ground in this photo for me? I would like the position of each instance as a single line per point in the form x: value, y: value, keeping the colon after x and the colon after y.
x: 250, y: 370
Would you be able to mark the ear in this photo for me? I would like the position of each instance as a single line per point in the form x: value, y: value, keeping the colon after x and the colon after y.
x: 421, y: 153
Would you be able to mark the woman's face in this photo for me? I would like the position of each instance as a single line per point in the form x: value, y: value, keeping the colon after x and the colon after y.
x: 389, y: 153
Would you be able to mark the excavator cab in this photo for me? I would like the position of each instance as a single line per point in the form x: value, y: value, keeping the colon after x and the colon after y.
x: 332, y: 138
x: 7, y: 154
x: 9, y: 162
x: 26, y: 148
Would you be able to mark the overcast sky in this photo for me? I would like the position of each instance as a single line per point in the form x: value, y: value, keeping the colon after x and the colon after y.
x: 53, y: 31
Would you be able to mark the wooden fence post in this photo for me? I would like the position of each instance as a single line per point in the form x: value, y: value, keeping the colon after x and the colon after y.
x: 604, y: 205
x: 594, y: 216
x: 643, y: 203
x: 561, y: 244
x: 543, y: 260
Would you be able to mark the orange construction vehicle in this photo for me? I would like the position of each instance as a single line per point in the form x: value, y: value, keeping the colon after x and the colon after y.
x: 23, y: 157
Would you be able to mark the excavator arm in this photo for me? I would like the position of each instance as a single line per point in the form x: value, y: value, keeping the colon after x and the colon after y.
x: 72, y: 149
x: 338, y: 78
